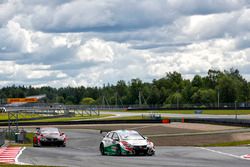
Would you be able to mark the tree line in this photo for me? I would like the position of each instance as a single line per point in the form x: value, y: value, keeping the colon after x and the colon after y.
x: 226, y: 86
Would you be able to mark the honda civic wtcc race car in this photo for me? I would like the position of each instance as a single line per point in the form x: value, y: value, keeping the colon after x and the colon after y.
x: 126, y: 142
x: 49, y: 136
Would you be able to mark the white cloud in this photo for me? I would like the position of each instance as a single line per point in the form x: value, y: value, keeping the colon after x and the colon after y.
x: 200, y: 57
x: 82, y: 42
x: 65, y: 41
x: 73, y: 15
x: 95, y: 50
x: 9, y: 10
x: 15, y: 38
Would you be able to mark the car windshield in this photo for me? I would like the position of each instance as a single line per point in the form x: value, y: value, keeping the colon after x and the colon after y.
x: 131, y: 136
x: 49, y: 130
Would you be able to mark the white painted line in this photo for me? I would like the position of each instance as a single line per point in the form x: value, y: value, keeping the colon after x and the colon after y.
x: 141, y: 127
x: 20, y: 153
x: 222, y: 153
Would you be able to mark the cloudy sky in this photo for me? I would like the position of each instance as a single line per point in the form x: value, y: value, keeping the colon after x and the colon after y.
x: 94, y: 42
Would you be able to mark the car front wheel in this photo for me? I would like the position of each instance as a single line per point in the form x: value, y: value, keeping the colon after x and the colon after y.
x: 150, y: 152
x: 102, y: 149
x: 38, y: 144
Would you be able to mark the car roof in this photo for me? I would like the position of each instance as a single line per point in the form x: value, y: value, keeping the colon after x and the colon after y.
x: 124, y: 131
x: 49, y: 129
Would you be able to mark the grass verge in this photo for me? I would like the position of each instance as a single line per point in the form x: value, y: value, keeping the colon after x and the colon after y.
x: 227, y: 144
x: 26, y: 143
x: 71, y: 118
x: 4, y: 116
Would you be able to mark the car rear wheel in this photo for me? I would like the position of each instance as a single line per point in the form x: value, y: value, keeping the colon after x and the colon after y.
x: 102, y: 149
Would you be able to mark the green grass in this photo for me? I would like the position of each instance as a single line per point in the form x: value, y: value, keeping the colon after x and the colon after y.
x: 209, y: 112
x: 71, y: 118
x: 20, y: 145
x: 227, y: 144
x: 27, y: 142
x: 4, y: 116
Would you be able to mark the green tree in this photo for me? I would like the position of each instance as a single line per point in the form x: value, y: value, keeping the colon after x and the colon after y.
x: 175, y: 98
x: 227, y: 88
x: 60, y: 99
x: 87, y: 101
x: 197, y: 81
x: 204, y: 96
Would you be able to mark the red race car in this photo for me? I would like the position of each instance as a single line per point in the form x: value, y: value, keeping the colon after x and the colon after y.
x: 49, y: 136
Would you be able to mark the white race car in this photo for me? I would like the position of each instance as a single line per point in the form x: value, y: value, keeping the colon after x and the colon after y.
x: 126, y: 142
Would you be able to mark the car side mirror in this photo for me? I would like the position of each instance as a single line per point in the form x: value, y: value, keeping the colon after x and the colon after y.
x: 104, y: 133
x: 146, y: 138
x: 61, y: 134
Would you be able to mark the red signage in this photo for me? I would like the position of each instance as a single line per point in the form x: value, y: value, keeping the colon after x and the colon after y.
x: 21, y: 100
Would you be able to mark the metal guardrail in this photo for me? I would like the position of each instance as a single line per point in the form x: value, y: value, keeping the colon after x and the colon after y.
x: 55, y: 110
x: 86, y: 122
x: 58, y: 107
x: 229, y: 122
x: 220, y: 121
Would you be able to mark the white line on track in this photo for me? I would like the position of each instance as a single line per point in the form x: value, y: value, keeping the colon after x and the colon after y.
x: 223, y: 153
x: 18, y: 155
x: 20, y: 152
x: 140, y: 127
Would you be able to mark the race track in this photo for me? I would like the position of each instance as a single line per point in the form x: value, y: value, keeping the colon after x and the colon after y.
x: 171, y: 115
x: 82, y: 150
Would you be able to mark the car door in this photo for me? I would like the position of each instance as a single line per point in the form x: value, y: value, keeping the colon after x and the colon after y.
x: 107, y: 141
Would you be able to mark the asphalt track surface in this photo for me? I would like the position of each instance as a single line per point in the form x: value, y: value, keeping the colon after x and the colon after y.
x: 82, y: 151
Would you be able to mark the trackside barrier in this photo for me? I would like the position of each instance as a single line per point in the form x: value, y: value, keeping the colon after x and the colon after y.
x: 2, y: 136
x: 88, y: 122
x: 220, y: 121
x: 230, y: 122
